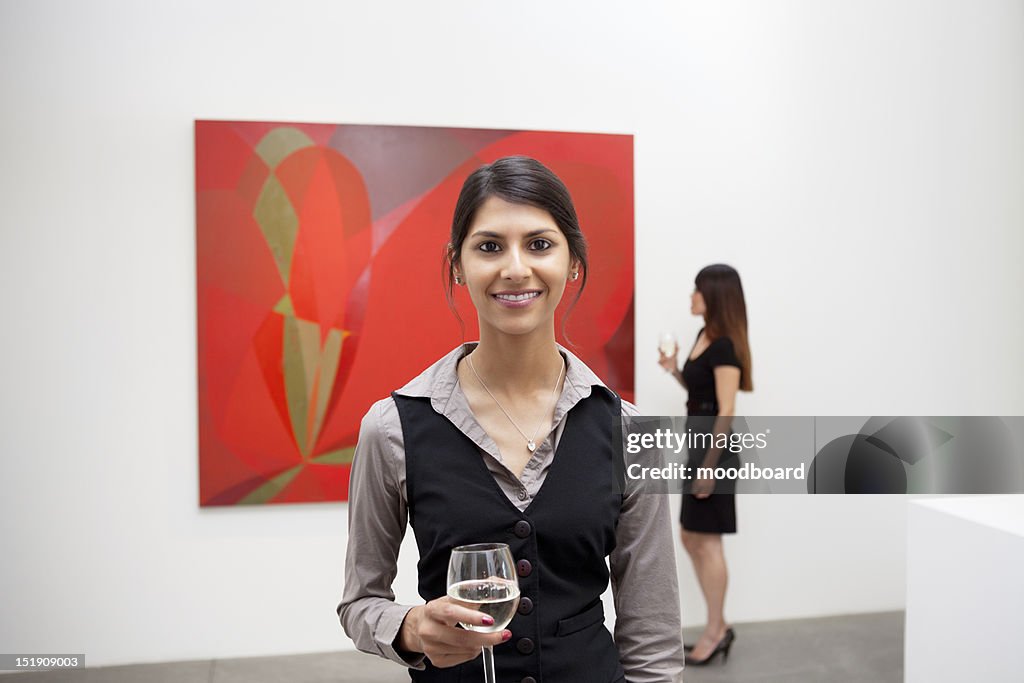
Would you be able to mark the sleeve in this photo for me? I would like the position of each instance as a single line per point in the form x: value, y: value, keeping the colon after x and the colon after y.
x: 722, y: 352
x: 377, y: 516
x: 646, y: 589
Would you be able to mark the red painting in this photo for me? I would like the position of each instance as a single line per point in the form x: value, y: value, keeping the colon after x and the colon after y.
x: 319, y: 273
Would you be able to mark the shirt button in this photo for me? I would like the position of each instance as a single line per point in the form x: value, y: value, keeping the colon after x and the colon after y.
x: 522, y: 528
x: 525, y: 646
x: 523, y: 568
x: 523, y: 495
x: 529, y: 679
x: 525, y: 605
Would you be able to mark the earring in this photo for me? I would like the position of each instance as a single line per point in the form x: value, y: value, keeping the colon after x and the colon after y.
x: 458, y: 280
x: 575, y: 275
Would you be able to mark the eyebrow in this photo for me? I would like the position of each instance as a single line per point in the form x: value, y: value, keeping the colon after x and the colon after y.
x: 532, y: 233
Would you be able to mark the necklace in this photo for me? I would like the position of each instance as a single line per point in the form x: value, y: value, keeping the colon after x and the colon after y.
x: 531, y: 444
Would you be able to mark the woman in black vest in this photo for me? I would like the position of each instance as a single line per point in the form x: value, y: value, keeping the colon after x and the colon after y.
x: 717, y: 367
x: 510, y: 440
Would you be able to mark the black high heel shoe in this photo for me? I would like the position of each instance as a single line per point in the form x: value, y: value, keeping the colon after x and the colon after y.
x: 723, y: 646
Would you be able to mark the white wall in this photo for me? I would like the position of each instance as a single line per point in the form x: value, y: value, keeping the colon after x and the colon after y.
x: 950, y: 608
x: 860, y: 163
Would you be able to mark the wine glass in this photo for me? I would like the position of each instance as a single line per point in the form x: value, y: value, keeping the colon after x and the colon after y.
x: 483, y: 577
x: 668, y: 345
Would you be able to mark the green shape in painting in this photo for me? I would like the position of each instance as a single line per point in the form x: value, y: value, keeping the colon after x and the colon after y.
x: 279, y: 143
x: 296, y: 360
x: 330, y: 356
x: 284, y: 306
x: 271, y: 488
x: 277, y: 220
x: 342, y: 456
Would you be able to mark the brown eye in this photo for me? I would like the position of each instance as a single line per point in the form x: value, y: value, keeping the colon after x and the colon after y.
x: 540, y: 244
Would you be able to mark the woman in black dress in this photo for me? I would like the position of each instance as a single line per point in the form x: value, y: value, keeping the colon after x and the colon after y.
x: 717, y: 367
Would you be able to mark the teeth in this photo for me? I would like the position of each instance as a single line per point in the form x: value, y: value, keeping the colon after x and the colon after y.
x: 518, y: 297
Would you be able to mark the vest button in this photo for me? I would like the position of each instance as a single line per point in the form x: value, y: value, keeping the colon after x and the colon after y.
x: 522, y: 528
x: 529, y: 679
x: 523, y: 568
x: 525, y: 646
x: 525, y: 605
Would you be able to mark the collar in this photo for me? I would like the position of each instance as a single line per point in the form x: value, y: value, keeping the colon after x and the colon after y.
x: 440, y: 381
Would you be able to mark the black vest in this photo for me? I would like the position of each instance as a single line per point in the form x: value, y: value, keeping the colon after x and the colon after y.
x: 559, y: 543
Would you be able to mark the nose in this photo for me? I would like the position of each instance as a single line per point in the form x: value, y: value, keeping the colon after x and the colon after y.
x: 516, y: 267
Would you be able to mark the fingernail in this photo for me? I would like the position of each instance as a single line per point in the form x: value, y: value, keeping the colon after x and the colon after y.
x: 505, y: 635
x: 488, y: 621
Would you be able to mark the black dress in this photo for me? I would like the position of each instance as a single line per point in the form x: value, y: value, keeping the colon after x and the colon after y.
x: 715, y: 514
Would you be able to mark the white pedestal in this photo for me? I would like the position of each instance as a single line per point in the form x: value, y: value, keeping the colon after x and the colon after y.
x: 965, y: 590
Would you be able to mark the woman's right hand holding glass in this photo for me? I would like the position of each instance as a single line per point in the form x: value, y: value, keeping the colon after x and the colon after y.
x: 668, y: 361
x: 432, y: 630
x: 668, y: 350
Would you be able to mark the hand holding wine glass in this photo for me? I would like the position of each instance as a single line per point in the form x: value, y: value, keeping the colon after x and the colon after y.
x: 668, y: 349
x: 433, y: 630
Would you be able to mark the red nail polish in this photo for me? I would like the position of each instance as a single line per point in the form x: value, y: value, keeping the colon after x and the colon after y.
x: 488, y: 621
x: 505, y: 635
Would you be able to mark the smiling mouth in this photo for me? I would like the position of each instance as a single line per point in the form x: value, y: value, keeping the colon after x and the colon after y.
x: 516, y: 298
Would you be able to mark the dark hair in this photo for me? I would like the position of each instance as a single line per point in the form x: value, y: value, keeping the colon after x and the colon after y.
x: 518, y: 180
x: 725, y: 313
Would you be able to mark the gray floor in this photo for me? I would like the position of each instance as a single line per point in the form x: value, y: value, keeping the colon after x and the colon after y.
x: 852, y: 649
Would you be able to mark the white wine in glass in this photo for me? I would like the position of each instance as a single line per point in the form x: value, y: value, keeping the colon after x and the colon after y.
x: 497, y: 598
x: 483, y: 577
x: 668, y: 345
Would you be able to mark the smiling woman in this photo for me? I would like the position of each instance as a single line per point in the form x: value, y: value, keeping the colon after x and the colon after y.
x: 514, y: 259
x: 517, y: 198
x: 539, y: 422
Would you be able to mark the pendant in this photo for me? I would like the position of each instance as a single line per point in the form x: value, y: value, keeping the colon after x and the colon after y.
x: 531, y: 445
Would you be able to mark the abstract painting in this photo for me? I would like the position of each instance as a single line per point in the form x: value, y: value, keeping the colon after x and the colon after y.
x: 319, y: 284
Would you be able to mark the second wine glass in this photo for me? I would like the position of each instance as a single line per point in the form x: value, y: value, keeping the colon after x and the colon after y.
x: 667, y: 344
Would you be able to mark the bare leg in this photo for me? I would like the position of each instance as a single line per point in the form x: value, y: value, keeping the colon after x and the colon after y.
x: 708, y: 559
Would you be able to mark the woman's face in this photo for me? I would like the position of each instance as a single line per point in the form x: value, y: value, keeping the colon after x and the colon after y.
x: 697, y: 306
x: 515, y: 263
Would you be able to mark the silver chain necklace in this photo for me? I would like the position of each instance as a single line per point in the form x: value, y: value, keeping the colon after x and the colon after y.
x: 531, y: 444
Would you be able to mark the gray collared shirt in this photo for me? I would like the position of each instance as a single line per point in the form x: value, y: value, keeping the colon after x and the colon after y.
x: 643, y: 571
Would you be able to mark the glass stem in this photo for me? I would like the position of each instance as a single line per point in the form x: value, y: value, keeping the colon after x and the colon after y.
x: 488, y: 655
